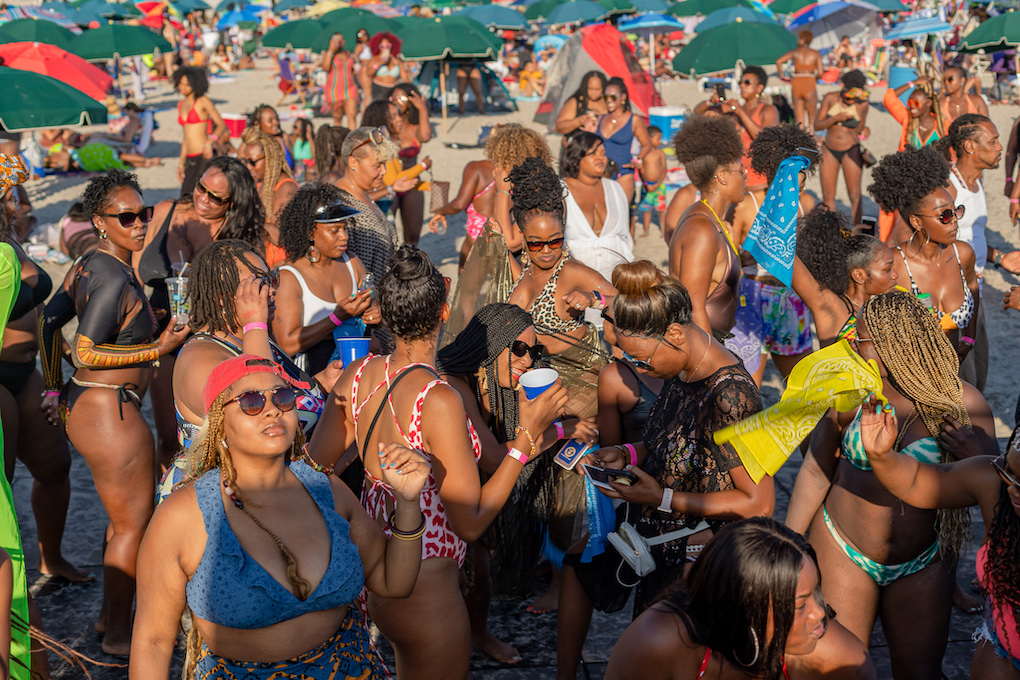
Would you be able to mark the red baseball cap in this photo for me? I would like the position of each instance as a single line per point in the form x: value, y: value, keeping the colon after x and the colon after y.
x: 232, y: 370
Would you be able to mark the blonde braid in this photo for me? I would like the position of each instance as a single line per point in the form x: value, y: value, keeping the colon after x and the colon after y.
x: 923, y: 366
x: 276, y: 165
x: 928, y: 89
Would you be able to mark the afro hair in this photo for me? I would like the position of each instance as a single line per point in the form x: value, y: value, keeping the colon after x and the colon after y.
x: 854, y: 78
x: 822, y: 246
x: 704, y: 144
x: 775, y: 144
x: 297, y: 219
x: 903, y: 179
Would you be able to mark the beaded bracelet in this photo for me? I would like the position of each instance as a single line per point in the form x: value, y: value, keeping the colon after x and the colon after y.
x: 409, y: 535
x: 531, y: 440
x: 315, y: 465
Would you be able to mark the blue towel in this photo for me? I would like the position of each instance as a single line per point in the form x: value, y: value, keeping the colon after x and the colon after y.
x: 601, y: 521
x: 773, y: 236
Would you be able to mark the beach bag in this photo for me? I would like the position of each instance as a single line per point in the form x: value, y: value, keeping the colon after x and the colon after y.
x: 634, y: 548
x: 439, y: 194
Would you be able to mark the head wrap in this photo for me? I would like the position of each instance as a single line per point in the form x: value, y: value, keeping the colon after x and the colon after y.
x: 12, y: 173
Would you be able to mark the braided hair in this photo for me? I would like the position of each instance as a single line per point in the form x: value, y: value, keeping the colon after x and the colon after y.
x: 928, y: 89
x: 276, y: 165
x: 255, y: 117
x: 213, y: 285
x: 207, y: 453
x: 328, y: 140
x: 1003, y: 555
x: 923, y: 366
x: 964, y: 128
x: 537, y: 191
x: 475, y: 350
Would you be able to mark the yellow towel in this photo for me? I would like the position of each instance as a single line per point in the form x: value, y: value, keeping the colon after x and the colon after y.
x: 834, y: 377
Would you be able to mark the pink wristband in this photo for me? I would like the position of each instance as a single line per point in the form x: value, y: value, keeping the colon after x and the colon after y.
x: 51, y: 393
x: 967, y: 340
x: 633, y: 453
x: 256, y: 326
x: 559, y: 430
x: 1014, y: 200
x: 335, y: 319
x: 518, y: 456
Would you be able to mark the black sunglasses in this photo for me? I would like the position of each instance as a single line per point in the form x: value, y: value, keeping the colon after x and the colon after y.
x: 127, y: 219
x: 949, y: 215
x: 218, y: 200
x: 253, y: 402
x: 268, y: 278
x: 554, y: 244
x: 520, y: 348
x: 1007, y: 476
x: 612, y: 97
x: 250, y: 162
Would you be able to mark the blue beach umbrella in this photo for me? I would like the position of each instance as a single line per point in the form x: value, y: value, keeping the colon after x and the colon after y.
x: 917, y: 28
x: 235, y: 17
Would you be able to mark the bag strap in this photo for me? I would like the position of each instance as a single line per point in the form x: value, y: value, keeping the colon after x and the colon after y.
x: 393, y: 383
x: 678, y: 534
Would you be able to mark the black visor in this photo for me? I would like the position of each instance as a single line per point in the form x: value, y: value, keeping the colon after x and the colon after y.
x: 337, y: 212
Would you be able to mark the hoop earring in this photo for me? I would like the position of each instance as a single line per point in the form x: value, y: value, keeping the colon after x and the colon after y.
x: 224, y: 443
x: 757, y: 651
x: 313, y: 254
x: 927, y: 240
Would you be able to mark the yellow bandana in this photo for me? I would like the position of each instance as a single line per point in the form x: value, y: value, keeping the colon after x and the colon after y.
x: 833, y: 377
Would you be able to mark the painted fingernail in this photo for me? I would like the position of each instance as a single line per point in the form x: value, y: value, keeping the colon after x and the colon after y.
x: 398, y: 471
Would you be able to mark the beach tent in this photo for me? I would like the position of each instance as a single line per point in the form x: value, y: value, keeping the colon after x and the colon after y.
x: 598, y: 47
x: 497, y: 99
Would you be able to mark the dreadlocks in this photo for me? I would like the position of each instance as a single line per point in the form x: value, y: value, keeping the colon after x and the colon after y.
x: 923, y: 366
x: 213, y: 285
x: 1003, y: 555
x: 475, y: 351
x: 209, y: 452
x: 276, y: 166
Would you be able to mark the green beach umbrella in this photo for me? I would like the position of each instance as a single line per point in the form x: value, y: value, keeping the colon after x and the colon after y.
x: 111, y: 40
x: 541, y: 9
x: 998, y: 33
x: 788, y: 6
x: 32, y: 102
x: 297, y: 34
x: 577, y: 12
x: 348, y: 26
x: 494, y: 16
x: 448, y: 37
x: 719, y: 49
x: 690, y: 8
x: 35, y: 30
x: 618, y: 7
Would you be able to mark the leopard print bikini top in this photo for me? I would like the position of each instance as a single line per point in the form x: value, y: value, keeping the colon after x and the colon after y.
x: 543, y: 309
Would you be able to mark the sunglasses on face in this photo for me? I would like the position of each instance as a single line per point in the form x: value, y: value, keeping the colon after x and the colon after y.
x: 252, y: 162
x: 1002, y: 468
x: 554, y: 244
x: 253, y: 402
x: 268, y: 278
x: 949, y: 215
x: 520, y: 348
x: 216, y: 200
x: 127, y: 219
x: 612, y: 97
x: 747, y: 83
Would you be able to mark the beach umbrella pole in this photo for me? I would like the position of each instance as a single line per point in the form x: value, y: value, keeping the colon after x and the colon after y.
x: 442, y: 92
x: 651, y: 50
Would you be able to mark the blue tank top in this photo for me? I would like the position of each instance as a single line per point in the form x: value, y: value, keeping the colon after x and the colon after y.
x: 923, y: 450
x: 231, y: 589
x: 618, y: 145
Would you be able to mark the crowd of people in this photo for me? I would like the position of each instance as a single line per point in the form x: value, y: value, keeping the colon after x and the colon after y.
x: 342, y: 435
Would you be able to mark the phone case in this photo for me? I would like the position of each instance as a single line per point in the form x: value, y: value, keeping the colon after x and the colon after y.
x: 572, y: 452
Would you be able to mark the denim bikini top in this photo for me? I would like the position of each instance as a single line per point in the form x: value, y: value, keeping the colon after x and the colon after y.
x: 231, y: 589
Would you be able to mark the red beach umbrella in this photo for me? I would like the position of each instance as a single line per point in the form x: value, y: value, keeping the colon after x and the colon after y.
x: 50, y: 60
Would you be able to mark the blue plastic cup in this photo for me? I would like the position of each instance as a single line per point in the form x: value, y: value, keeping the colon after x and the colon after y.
x: 352, y: 349
x: 538, y: 380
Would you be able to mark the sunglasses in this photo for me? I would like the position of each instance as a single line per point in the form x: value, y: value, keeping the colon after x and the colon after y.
x: 520, y: 348
x: 253, y: 402
x: 612, y: 97
x: 949, y: 215
x: 1000, y: 466
x: 554, y: 244
x: 216, y: 200
x: 376, y: 136
x: 747, y: 83
x: 127, y: 219
x: 268, y: 278
x: 646, y: 364
x: 252, y: 162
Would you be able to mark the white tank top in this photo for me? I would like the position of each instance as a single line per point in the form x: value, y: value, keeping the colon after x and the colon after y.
x: 975, y: 220
x: 314, y: 308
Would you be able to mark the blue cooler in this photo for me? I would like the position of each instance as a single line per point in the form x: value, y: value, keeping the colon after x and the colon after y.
x: 901, y: 75
x: 666, y: 118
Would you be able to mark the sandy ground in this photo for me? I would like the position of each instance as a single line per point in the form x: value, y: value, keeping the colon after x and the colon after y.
x: 70, y: 610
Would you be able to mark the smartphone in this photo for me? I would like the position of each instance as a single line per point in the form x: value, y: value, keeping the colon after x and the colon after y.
x: 572, y: 451
x: 720, y: 91
x: 600, y: 476
x: 870, y: 223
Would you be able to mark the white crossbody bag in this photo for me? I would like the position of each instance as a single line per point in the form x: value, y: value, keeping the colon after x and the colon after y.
x: 634, y: 548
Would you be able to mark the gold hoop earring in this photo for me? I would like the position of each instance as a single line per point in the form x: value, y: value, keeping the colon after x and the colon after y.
x: 910, y: 241
x: 313, y: 254
x: 757, y: 651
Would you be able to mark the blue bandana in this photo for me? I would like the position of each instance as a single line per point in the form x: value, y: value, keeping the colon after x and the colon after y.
x: 773, y: 236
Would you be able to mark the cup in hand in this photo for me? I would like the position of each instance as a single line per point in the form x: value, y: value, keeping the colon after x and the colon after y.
x: 352, y: 349
x: 177, y: 289
x: 537, y: 380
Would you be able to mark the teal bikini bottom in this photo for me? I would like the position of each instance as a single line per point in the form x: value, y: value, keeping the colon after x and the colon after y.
x: 882, y: 574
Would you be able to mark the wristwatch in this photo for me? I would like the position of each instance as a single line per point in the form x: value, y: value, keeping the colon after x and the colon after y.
x: 997, y: 260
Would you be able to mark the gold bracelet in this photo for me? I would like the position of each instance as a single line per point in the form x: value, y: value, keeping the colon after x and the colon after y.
x: 531, y: 440
x: 408, y: 535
